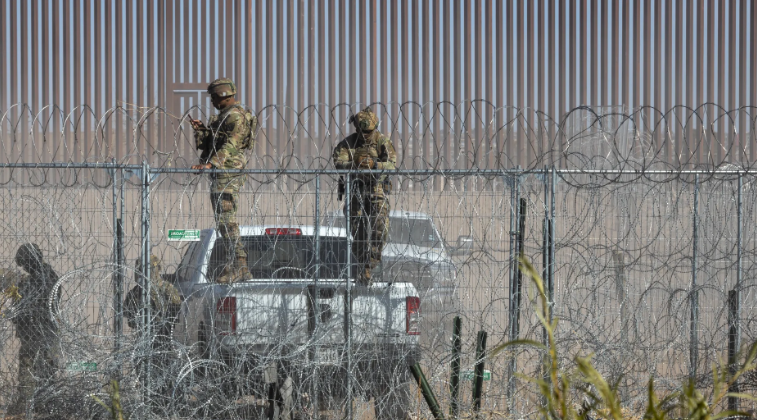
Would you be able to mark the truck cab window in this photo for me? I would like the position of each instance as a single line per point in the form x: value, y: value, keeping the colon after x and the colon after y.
x: 416, y: 232
x: 283, y: 256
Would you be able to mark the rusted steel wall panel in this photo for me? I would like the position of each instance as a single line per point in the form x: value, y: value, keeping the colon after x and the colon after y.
x: 4, y: 48
x: 538, y: 55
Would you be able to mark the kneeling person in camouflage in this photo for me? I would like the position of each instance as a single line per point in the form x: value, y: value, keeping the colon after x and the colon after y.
x: 164, y: 299
x: 223, y: 143
x: 164, y: 303
x: 35, y: 327
x: 370, y: 153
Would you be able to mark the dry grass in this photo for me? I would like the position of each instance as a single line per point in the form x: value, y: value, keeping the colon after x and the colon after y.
x: 582, y: 392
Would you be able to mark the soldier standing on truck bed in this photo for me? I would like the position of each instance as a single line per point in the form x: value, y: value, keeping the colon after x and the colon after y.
x: 370, y: 153
x: 223, y: 143
x: 35, y: 327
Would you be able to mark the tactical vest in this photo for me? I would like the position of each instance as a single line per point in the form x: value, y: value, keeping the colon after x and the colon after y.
x: 248, y: 141
x: 385, y: 181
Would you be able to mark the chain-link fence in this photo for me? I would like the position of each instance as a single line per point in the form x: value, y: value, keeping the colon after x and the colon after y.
x: 648, y: 262
x: 641, y: 274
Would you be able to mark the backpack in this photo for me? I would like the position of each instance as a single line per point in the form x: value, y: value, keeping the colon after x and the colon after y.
x: 249, y: 141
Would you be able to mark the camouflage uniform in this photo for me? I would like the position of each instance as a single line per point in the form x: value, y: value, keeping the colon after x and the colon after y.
x: 35, y: 328
x: 223, y: 143
x: 371, y: 153
x: 165, y: 301
x: 9, y: 280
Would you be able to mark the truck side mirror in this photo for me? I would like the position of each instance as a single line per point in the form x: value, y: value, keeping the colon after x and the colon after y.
x: 464, y: 246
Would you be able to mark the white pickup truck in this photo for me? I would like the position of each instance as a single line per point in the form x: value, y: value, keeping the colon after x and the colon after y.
x: 292, y: 323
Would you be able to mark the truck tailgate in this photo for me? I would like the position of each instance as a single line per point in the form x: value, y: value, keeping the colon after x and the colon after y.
x: 297, y: 313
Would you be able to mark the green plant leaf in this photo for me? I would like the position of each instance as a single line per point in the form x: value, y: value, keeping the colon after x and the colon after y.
x: 607, y: 395
x: 653, y: 405
x: 529, y: 270
x: 519, y: 342
x: 102, y: 403
x: 741, y: 395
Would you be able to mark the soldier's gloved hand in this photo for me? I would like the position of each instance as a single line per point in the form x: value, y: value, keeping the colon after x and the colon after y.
x: 202, y: 166
x: 366, y: 162
x: 197, y: 124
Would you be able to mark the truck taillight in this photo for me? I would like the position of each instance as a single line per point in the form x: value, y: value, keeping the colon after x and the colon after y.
x: 283, y: 231
x: 226, y: 316
x: 413, y: 316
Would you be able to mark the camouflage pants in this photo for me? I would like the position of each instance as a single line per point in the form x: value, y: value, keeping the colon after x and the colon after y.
x: 224, y: 197
x: 369, y: 224
x: 36, y: 363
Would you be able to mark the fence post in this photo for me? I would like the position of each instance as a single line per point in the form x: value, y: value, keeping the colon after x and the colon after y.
x: 519, y: 279
x: 119, y: 301
x: 147, y: 310
x: 428, y: 393
x: 620, y: 292
x: 117, y: 279
x: 121, y: 244
x: 549, y: 270
x: 514, y: 201
x: 316, y: 311
x: 733, y: 344
x: 122, y: 210
x: 693, y: 327
x: 511, y: 285
x: 739, y: 263
x: 454, y: 382
x: 552, y: 254
x: 546, y: 254
x: 478, y: 377
x: 348, y: 296
x: 734, y: 304
x: 545, y: 244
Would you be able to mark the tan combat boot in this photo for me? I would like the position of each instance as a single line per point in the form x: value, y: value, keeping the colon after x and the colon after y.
x: 365, y: 278
x: 227, y: 275
x: 241, y: 272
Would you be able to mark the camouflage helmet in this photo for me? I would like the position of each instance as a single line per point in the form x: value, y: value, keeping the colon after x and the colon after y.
x: 222, y: 87
x: 28, y: 252
x: 366, y: 120
x: 155, y: 264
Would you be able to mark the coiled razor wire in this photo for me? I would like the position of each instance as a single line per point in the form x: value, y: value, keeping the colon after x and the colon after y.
x: 434, y: 135
x: 653, y: 221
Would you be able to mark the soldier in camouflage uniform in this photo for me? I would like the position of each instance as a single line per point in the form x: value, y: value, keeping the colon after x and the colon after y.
x: 223, y: 143
x: 371, y: 154
x: 164, y: 299
x: 35, y: 327
x: 164, y: 302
